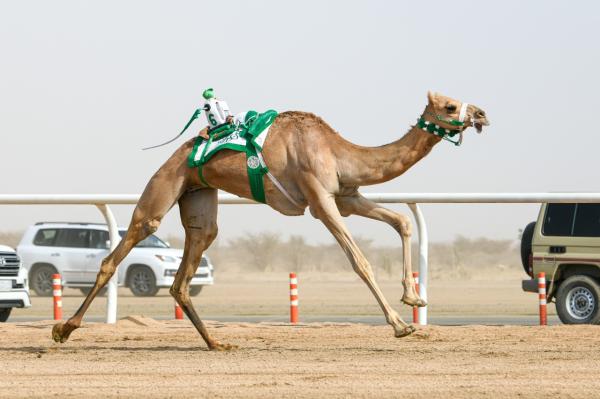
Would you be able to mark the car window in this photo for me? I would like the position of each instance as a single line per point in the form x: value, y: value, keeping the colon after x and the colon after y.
x: 72, y: 238
x: 98, y: 239
x: 558, y: 220
x: 151, y: 241
x: 45, y: 237
x: 587, y: 220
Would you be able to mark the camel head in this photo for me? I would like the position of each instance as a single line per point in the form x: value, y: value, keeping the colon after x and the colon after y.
x: 452, y: 114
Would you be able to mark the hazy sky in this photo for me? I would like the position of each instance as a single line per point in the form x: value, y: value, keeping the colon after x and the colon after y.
x: 85, y: 85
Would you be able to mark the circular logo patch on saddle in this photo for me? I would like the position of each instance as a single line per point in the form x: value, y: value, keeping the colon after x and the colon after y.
x: 253, y: 162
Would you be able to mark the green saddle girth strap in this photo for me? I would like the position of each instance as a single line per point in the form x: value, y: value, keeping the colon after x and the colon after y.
x: 256, y: 170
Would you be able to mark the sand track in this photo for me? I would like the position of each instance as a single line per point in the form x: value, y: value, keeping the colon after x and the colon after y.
x: 143, y: 357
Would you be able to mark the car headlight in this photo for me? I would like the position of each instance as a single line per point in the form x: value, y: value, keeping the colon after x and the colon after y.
x: 170, y: 272
x: 166, y: 258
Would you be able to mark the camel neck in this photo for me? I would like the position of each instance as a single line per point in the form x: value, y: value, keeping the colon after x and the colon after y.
x: 372, y: 165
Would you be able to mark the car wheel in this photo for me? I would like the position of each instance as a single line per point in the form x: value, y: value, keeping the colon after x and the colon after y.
x: 195, y: 289
x: 141, y: 281
x: 577, y: 300
x: 85, y: 291
x: 526, y: 239
x: 4, y: 313
x: 40, y: 280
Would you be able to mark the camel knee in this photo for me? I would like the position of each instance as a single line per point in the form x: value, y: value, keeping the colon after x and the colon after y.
x: 174, y: 290
x: 149, y: 226
x: 139, y: 229
x: 102, y: 279
x: 403, y: 225
x: 107, y: 269
x: 179, y: 292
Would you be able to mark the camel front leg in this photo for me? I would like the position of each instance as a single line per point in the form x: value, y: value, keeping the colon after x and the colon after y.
x: 359, y: 205
x: 323, y: 207
x: 61, y: 331
x: 198, y: 211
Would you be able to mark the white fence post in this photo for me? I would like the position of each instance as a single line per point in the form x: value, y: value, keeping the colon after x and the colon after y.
x: 113, y: 234
x: 423, y: 259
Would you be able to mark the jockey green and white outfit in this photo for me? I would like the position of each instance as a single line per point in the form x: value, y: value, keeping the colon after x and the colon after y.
x: 217, y: 111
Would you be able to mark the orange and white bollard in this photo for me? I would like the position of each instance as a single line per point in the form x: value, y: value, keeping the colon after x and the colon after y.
x: 178, y: 311
x: 57, y: 296
x: 542, y: 296
x: 416, y: 308
x: 293, y: 298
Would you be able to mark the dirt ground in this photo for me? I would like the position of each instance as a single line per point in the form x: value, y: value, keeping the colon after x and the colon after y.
x: 142, y: 357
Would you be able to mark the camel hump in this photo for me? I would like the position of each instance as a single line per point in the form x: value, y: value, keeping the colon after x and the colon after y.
x: 305, y: 119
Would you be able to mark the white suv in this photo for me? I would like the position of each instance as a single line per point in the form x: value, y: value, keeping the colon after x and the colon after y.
x: 14, y: 292
x: 75, y: 250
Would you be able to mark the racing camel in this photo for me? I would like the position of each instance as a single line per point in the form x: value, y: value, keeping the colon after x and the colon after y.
x: 317, y: 167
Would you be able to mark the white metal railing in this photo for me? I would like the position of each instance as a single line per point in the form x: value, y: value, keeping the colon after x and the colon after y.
x: 101, y: 201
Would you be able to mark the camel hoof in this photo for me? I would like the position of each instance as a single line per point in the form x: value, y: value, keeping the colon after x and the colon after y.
x: 222, y: 347
x: 58, y: 335
x: 405, y: 331
x: 414, y: 302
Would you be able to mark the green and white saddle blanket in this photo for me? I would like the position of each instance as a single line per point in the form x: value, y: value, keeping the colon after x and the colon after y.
x: 247, y: 136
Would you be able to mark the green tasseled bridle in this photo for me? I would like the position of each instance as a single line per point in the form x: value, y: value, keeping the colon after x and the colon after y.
x: 440, y: 131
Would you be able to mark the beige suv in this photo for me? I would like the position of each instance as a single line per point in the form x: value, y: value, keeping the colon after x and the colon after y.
x: 565, y: 244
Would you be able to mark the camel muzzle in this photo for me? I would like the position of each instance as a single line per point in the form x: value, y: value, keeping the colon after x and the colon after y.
x: 478, y: 124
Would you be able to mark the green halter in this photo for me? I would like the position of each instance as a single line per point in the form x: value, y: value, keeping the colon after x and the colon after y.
x: 440, y: 131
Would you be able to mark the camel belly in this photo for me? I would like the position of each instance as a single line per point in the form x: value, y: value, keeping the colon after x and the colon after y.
x: 226, y: 171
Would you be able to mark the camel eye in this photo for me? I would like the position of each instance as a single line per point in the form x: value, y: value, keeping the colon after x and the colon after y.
x: 450, y: 107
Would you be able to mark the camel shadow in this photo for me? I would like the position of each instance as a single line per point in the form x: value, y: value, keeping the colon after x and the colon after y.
x: 167, y: 348
x: 58, y: 349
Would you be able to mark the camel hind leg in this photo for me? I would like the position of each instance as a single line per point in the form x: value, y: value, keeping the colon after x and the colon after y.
x: 160, y: 195
x: 199, y: 218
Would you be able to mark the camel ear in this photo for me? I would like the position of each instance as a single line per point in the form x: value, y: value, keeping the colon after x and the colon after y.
x: 431, y: 97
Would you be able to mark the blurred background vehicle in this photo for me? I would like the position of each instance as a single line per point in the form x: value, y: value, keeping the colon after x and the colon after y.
x: 76, y: 250
x: 14, y: 291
